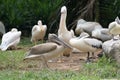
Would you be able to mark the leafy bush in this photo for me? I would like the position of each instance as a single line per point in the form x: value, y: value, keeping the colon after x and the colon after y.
x: 26, y: 13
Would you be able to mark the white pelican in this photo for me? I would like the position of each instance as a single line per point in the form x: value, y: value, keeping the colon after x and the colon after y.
x: 114, y: 27
x: 63, y: 32
x: 102, y: 34
x: 85, y: 26
x: 85, y: 44
x: 38, y: 32
x: 111, y: 49
x: 10, y: 39
x: 2, y: 28
x: 47, y: 51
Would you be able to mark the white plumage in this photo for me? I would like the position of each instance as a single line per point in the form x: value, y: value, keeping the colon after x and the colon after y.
x: 102, y: 34
x: 114, y: 27
x: 38, y: 32
x: 85, y: 26
x: 10, y: 39
x: 63, y: 32
x: 85, y: 44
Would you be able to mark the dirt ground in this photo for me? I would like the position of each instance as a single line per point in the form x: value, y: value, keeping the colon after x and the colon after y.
x: 74, y: 62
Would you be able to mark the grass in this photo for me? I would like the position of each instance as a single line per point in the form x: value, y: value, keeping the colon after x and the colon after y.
x: 12, y: 67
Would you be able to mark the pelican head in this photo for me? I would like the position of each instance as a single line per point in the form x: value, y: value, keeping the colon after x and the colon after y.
x: 117, y: 20
x: 54, y: 38
x: 84, y: 34
x: 112, y: 25
x: 64, y: 9
x: 81, y: 21
x: 14, y: 30
x: 39, y: 22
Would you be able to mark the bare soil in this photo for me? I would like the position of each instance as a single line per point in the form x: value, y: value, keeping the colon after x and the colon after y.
x: 74, y: 62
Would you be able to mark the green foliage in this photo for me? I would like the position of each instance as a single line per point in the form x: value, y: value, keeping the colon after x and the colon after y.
x: 26, y: 13
x: 109, y: 10
x: 104, y: 68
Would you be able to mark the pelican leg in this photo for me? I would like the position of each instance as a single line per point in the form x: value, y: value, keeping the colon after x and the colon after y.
x: 93, y: 56
x: 60, y: 59
x: 44, y: 62
x: 88, y: 58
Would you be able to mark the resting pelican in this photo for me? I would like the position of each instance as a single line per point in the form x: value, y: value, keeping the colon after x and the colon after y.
x: 2, y: 28
x: 38, y: 32
x: 114, y: 27
x: 63, y: 33
x: 10, y: 39
x: 85, y: 26
x: 86, y: 44
x: 47, y: 51
x: 102, y: 34
x: 111, y: 49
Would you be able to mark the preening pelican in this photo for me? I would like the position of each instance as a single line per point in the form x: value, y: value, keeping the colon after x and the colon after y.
x: 47, y: 51
x: 85, y: 26
x: 85, y: 44
x: 63, y: 32
x: 114, y: 27
x: 38, y: 32
x: 10, y: 39
x: 111, y: 49
x: 2, y: 28
x: 102, y: 34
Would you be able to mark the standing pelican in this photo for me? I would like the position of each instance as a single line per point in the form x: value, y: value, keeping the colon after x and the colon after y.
x: 63, y: 32
x: 47, y: 51
x: 10, y: 39
x: 84, y: 26
x: 83, y: 43
x: 38, y: 32
x: 102, y: 34
x: 114, y: 27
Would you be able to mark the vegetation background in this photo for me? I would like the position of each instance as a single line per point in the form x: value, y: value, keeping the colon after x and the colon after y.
x: 23, y: 14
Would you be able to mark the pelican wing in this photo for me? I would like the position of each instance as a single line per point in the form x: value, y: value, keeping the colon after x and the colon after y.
x: 93, y: 42
x: 42, y: 48
x: 8, y: 39
x: 105, y: 31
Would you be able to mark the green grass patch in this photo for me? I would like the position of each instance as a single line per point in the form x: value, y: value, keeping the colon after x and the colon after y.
x: 12, y: 67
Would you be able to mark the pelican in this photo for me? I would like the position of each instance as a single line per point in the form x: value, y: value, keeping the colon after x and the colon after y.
x: 111, y: 49
x: 102, y: 34
x: 84, y: 26
x: 114, y: 27
x: 86, y: 44
x: 2, y: 28
x: 10, y: 39
x: 47, y: 51
x: 63, y: 32
x: 38, y: 32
